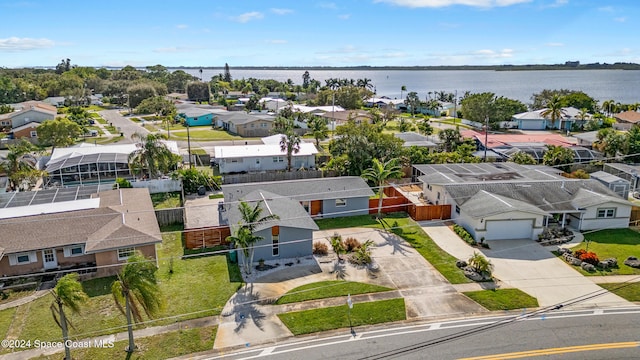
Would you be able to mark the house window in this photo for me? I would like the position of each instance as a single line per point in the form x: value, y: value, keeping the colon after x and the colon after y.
x: 341, y: 202
x: 22, y: 258
x: 124, y: 253
x: 258, y: 161
x: 606, y: 213
x: 277, y: 159
x: 438, y: 195
x: 34, y: 134
x: 253, y: 125
x: 457, y: 209
x: 275, y: 244
x: 264, y: 125
x: 75, y: 250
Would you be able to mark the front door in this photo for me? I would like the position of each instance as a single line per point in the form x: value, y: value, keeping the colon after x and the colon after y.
x: 49, y: 259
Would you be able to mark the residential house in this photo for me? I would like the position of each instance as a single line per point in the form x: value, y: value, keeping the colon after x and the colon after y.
x: 273, y: 104
x: 626, y: 120
x: 498, y: 201
x: 534, y: 120
x: 28, y: 112
x: 263, y: 157
x: 414, y: 139
x: 28, y: 130
x: 617, y: 184
x: 337, y: 118
x: 75, y: 228
x: 289, y: 236
x: 57, y: 101
x: 320, y: 197
x: 586, y: 139
x: 196, y: 117
x: 383, y: 102
x: 629, y: 172
x: 246, y: 125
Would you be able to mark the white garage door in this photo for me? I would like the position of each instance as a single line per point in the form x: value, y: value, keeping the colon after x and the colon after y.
x: 533, y: 125
x: 508, y: 229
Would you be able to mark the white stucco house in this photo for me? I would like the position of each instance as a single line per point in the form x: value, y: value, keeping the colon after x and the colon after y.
x: 499, y: 201
x: 263, y: 157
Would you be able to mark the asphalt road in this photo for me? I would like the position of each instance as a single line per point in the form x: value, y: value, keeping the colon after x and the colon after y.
x: 555, y: 335
x: 123, y: 124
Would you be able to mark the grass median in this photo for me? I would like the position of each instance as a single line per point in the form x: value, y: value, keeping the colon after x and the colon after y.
x: 503, y: 299
x: 627, y: 291
x: 328, y: 289
x: 337, y: 317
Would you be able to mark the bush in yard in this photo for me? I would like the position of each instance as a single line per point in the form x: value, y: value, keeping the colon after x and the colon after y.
x: 337, y: 245
x: 362, y: 254
x: 320, y: 248
x: 351, y: 244
x: 464, y: 234
x: 122, y: 183
x: 579, y: 253
x: 589, y: 258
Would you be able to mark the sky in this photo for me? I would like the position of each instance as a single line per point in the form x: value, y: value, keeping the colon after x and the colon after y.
x: 318, y: 33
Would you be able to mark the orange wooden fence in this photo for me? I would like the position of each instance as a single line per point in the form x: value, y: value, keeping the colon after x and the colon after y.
x: 206, y: 237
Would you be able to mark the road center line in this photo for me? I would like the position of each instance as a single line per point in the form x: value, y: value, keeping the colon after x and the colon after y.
x: 555, y: 351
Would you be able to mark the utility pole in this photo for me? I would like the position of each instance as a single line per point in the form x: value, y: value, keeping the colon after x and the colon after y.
x: 486, y: 137
x: 189, y: 145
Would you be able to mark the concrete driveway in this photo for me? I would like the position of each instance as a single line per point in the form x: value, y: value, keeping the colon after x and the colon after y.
x: 246, y: 319
x: 530, y: 267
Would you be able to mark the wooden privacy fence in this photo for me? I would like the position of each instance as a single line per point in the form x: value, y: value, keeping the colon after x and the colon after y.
x: 170, y: 216
x: 396, y: 201
x: 206, y: 237
x: 429, y: 212
x: 635, y: 215
x: 389, y: 205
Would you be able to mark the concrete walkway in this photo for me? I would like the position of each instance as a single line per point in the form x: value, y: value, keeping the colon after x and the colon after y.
x: 530, y: 267
x: 247, y: 318
x: 24, y: 300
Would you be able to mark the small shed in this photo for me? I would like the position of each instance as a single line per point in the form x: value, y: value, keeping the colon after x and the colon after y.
x: 619, y: 185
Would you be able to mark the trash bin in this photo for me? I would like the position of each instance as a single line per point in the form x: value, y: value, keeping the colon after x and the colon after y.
x: 201, y: 190
x: 233, y: 257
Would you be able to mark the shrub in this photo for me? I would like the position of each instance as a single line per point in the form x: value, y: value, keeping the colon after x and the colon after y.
x: 362, y: 254
x: 338, y: 245
x: 590, y: 258
x: 464, y: 234
x: 320, y: 248
x: 122, y: 183
x: 579, y: 253
x: 351, y: 244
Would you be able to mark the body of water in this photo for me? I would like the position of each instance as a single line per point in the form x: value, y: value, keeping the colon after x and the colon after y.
x: 619, y: 85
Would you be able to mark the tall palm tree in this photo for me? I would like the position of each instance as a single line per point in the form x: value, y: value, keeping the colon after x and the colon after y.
x: 558, y: 156
x: 244, y: 237
x: 403, y: 88
x: 319, y: 129
x: 68, y: 293
x: 379, y: 173
x: 151, y: 155
x: 554, y: 110
x: 290, y: 143
x: 20, y: 165
x: 137, y: 286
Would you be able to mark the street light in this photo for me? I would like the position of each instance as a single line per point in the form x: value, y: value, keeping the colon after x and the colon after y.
x: 486, y: 136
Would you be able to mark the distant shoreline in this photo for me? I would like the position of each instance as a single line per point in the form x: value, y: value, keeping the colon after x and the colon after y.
x: 596, y: 66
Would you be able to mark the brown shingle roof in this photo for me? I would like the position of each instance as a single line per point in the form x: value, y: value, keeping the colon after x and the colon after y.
x: 628, y: 116
x: 113, y: 225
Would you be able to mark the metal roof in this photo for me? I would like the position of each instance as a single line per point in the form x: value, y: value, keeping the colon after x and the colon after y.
x: 49, y: 196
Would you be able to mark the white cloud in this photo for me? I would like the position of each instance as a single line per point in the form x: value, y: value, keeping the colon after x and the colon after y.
x: 277, y: 41
x: 491, y: 54
x: 23, y: 44
x: 328, y: 5
x: 344, y: 16
x: 620, y: 19
x: 182, y: 26
x: 173, y: 49
x: 281, y: 11
x: 246, y: 17
x: 606, y: 9
x: 554, y: 44
x: 445, y: 3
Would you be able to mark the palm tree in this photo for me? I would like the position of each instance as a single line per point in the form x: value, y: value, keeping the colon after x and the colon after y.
x: 480, y: 264
x: 554, y: 110
x: 290, y: 143
x: 20, y: 165
x: 137, y: 286
x: 244, y: 237
x: 451, y: 138
x: 319, y: 129
x: 379, y: 173
x: 558, y: 156
x: 402, y: 90
x: 606, y: 106
x: 68, y: 293
x: 151, y: 155
x: 523, y: 158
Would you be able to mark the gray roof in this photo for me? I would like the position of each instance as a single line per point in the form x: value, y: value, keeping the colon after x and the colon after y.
x: 630, y: 169
x: 305, y: 189
x: 50, y: 196
x: 125, y: 218
x: 608, y: 178
x: 484, y: 204
x: 485, y: 172
x: 290, y: 212
x: 241, y: 117
x: 195, y: 112
x: 589, y: 136
x: 569, y: 195
x: 414, y: 139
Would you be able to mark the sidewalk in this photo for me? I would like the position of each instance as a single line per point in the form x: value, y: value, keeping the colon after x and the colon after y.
x: 15, y: 303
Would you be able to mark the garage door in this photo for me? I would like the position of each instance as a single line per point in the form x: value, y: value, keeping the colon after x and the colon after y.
x: 532, y: 124
x: 511, y: 229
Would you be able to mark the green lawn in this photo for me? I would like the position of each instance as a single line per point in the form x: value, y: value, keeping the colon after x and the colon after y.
x: 6, y: 317
x: 617, y: 243
x: 162, y: 346
x: 204, y: 134
x: 626, y: 291
x: 369, y: 313
x: 166, y: 200
x: 197, y: 287
x: 328, y: 289
x: 503, y: 299
x: 402, y: 225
